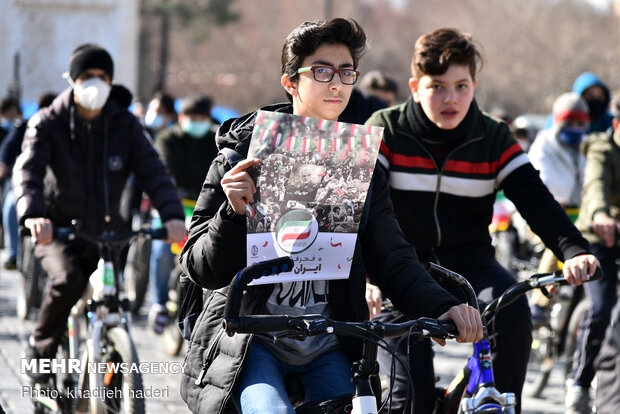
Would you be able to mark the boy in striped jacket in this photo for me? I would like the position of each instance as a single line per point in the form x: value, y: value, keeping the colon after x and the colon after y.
x: 446, y: 160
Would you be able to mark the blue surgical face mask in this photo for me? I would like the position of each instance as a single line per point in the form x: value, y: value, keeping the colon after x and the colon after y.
x: 571, y: 136
x: 196, y: 129
x: 153, y: 120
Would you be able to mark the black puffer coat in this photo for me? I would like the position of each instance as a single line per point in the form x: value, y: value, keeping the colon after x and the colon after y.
x: 216, y: 250
x: 69, y: 170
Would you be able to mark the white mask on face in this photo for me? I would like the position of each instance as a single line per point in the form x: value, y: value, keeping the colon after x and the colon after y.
x: 92, y: 93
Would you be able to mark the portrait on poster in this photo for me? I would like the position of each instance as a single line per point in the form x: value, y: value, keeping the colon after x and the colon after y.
x: 311, y: 186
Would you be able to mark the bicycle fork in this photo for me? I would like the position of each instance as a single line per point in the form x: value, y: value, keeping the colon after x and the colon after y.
x: 481, y: 394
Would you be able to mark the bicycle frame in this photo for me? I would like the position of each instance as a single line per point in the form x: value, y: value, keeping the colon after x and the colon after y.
x: 103, y: 308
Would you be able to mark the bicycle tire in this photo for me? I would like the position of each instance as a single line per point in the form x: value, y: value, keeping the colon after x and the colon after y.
x: 172, y: 337
x: 29, y: 296
x: 572, y: 337
x: 137, y: 272
x: 120, y: 348
x: 543, y: 356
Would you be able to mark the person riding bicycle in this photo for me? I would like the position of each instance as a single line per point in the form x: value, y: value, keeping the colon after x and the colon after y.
x: 77, y: 155
x: 187, y: 149
x: 555, y: 153
x: 445, y: 161
x: 249, y: 370
x: 599, y: 220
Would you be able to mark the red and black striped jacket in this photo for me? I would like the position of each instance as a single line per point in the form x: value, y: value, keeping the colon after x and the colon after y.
x: 451, y: 206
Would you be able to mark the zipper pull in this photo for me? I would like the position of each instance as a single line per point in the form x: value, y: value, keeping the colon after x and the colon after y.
x: 202, y: 374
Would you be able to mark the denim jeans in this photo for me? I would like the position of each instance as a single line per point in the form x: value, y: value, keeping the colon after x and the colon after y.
x: 161, y: 265
x: 261, y: 386
x: 9, y: 222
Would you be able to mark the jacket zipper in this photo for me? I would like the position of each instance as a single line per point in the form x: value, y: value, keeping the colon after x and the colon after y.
x: 208, y: 358
x: 439, y: 174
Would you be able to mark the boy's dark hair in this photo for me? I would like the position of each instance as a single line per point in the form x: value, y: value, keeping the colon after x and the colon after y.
x: 377, y: 80
x: 8, y: 103
x: 166, y: 101
x: 196, y: 105
x: 306, y: 38
x: 46, y: 99
x: 436, y: 51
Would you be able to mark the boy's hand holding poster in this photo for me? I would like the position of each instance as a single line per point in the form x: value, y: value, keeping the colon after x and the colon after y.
x: 311, y: 186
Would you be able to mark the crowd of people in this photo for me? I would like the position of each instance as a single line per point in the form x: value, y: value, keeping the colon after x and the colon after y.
x: 441, y: 162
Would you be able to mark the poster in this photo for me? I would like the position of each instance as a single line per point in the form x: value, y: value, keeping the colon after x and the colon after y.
x: 311, y: 188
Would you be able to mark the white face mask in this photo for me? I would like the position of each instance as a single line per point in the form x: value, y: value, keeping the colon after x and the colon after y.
x: 92, y: 93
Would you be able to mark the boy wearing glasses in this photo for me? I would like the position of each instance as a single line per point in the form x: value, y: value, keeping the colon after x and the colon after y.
x: 445, y: 160
x: 319, y: 61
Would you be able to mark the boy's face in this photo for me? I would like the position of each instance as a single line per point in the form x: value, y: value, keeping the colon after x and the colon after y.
x: 324, y: 100
x: 445, y: 98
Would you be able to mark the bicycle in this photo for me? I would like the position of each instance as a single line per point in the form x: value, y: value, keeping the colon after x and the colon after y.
x: 556, y: 337
x: 108, y: 340
x: 171, y: 335
x: 300, y: 327
x: 473, y: 389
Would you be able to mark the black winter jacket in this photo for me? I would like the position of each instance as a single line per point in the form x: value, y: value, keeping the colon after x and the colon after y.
x: 68, y: 170
x: 216, y: 251
x: 187, y: 158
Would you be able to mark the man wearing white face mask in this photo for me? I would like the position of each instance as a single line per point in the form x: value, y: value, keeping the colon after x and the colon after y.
x: 76, y: 157
x: 187, y: 149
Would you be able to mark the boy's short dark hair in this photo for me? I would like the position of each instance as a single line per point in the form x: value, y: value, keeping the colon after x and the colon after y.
x: 9, y: 103
x: 434, y: 53
x: 196, y: 105
x: 377, y: 80
x: 305, y: 39
x: 166, y: 101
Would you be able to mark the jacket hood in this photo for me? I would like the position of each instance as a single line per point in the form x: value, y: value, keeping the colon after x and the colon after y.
x: 236, y: 133
x: 588, y: 79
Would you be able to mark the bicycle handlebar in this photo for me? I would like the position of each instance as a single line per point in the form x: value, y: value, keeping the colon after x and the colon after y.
x: 70, y: 233
x: 311, y: 325
x: 441, y: 274
x: 536, y: 281
x: 303, y: 326
x: 240, y: 282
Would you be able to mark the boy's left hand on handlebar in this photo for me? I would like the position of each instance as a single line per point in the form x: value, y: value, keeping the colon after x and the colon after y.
x: 578, y: 269
x: 176, y: 230
x: 467, y: 321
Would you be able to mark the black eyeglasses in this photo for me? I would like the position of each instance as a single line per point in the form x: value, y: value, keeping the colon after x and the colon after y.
x: 326, y: 74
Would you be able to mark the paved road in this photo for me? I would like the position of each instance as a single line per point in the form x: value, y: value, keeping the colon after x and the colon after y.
x: 14, y: 334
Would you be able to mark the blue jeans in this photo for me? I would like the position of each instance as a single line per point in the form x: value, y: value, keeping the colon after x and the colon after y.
x: 602, y: 296
x: 261, y: 387
x: 161, y: 265
x: 9, y: 221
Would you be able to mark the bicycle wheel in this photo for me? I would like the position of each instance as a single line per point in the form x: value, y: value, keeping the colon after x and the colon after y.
x: 173, y: 340
x: 124, y: 391
x: 30, y: 291
x: 543, y: 357
x: 137, y: 272
x: 571, y: 351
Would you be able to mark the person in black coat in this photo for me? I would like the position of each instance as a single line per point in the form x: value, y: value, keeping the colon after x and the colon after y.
x: 77, y: 155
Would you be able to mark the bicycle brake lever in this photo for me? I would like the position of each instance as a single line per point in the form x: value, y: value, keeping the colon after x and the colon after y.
x: 294, y: 334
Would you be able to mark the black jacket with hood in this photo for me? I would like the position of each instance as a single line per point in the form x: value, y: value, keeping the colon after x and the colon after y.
x: 69, y: 169
x: 216, y: 251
